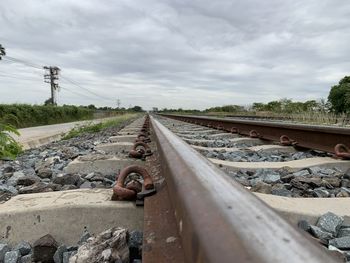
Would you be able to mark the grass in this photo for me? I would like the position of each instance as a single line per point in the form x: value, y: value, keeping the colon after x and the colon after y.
x: 94, y: 128
x: 36, y: 115
x: 9, y: 147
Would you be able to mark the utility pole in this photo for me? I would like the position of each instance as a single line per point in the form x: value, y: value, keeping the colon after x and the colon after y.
x: 2, y: 51
x: 118, y: 103
x: 51, y: 76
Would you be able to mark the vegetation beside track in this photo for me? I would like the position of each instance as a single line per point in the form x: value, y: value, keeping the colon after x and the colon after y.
x: 9, y: 148
x: 336, y: 110
x: 93, y: 128
x: 35, y: 115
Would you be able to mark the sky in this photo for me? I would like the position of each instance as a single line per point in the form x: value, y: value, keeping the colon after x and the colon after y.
x: 174, y: 53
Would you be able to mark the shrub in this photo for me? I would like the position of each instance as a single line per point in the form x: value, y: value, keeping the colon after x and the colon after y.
x: 9, y: 148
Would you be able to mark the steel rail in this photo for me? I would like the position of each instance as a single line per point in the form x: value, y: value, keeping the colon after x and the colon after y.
x: 218, y: 220
x: 323, y: 138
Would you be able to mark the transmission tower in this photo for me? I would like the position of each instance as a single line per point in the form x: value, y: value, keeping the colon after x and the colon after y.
x: 51, y: 76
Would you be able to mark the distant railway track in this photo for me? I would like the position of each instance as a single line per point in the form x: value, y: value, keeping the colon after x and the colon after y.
x: 325, y: 138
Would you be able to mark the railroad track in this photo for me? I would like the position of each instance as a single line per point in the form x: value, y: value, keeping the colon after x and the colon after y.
x: 220, y: 221
x: 184, y: 184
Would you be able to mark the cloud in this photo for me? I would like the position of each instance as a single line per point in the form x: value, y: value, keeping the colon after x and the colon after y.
x: 175, y: 53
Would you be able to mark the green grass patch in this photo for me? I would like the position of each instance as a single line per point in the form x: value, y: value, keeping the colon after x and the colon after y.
x: 9, y: 147
x: 35, y: 115
x: 93, y: 128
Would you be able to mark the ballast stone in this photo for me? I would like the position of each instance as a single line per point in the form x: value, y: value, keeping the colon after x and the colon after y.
x: 12, y: 256
x: 24, y: 248
x: 320, y: 234
x: 330, y: 223
x: 341, y: 242
x: 4, y: 248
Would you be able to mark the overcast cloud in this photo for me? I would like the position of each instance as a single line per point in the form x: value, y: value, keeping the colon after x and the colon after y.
x: 175, y: 53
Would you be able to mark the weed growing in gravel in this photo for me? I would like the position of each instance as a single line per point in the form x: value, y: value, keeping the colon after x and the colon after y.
x: 93, y: 128
x: 9, y: 148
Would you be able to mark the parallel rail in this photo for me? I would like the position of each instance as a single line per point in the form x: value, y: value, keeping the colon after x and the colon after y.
x: 322, y: 138
x: 218, y: 220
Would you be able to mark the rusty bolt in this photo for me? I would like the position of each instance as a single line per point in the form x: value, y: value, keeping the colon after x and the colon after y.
x: 254, y: 134
x: 286, y: 141
x: 342, y: 151
x: 122, y: 193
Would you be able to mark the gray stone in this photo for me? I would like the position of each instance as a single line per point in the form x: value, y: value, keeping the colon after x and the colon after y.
x: 44, y: 172
x: 320, y: 192
x: 320, y: 234
x: 344, y: 232
x: 303, y: 172
x: 281, y: 192
x: 44, y: 249
x: 14, y: 178
x: 27, y: 258
x: 314, y: 170
x: 84, y: 237
x: 242, y: 181
x: 67, y: 255
x: 66, y: 179
x: 330, y: 223
x: 345, y: 183
x: 262, y: 187
x: 24, y: 248
x: 4, y: 248
x: 327, y: 171
x: 135, y: 244
x: 8, y: 189
x: 68, y: 187
x: 12, y: 256
x: 8, y: 169
x: 89, y: 176
x: 28, y: 180
x: 253, y: 182
x: 343, y: 193
x: 287, y: 178
x: 341, y: 242
x: 114, y: 239
x: 39, y: 187
x: 271, y: 178
x: 86, y: 185
x: 58, y: 256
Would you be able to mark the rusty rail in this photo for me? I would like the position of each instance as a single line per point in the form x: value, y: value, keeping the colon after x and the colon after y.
x: 324, y: 138
x: 218, y: 220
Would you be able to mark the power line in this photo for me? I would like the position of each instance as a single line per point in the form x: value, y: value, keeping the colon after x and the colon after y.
x: 36, y: 66
x: 27, y: 63
x: 77, y: 93
x: 15, y: 77
x: 76, y: 84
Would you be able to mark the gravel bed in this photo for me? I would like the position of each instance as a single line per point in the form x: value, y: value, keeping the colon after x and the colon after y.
x: 41, y: 169
x: 332, y: 232
x: 309, y: 182
x: 113, y: 245
x: 245, y: 155
x: 224, y: 143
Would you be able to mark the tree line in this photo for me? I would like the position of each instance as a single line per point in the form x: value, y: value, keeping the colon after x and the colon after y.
x: 338, y: 102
